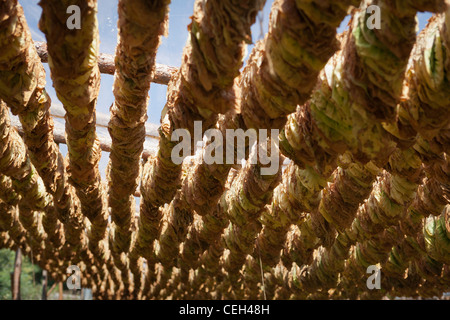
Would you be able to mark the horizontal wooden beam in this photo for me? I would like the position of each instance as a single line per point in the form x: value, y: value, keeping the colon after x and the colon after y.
x: 105, y: 141
x: 162, y: 74
x: 101, y: 120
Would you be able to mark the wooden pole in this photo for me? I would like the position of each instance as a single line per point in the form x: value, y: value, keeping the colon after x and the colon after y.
x: 162, y: 74
x: 15, y: 287
x: 44, y: 284
x: 60, y: 291
x: 105, y: 141
x: 51, y: 289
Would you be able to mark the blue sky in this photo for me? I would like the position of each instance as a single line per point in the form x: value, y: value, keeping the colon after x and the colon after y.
x: 170, y: 50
